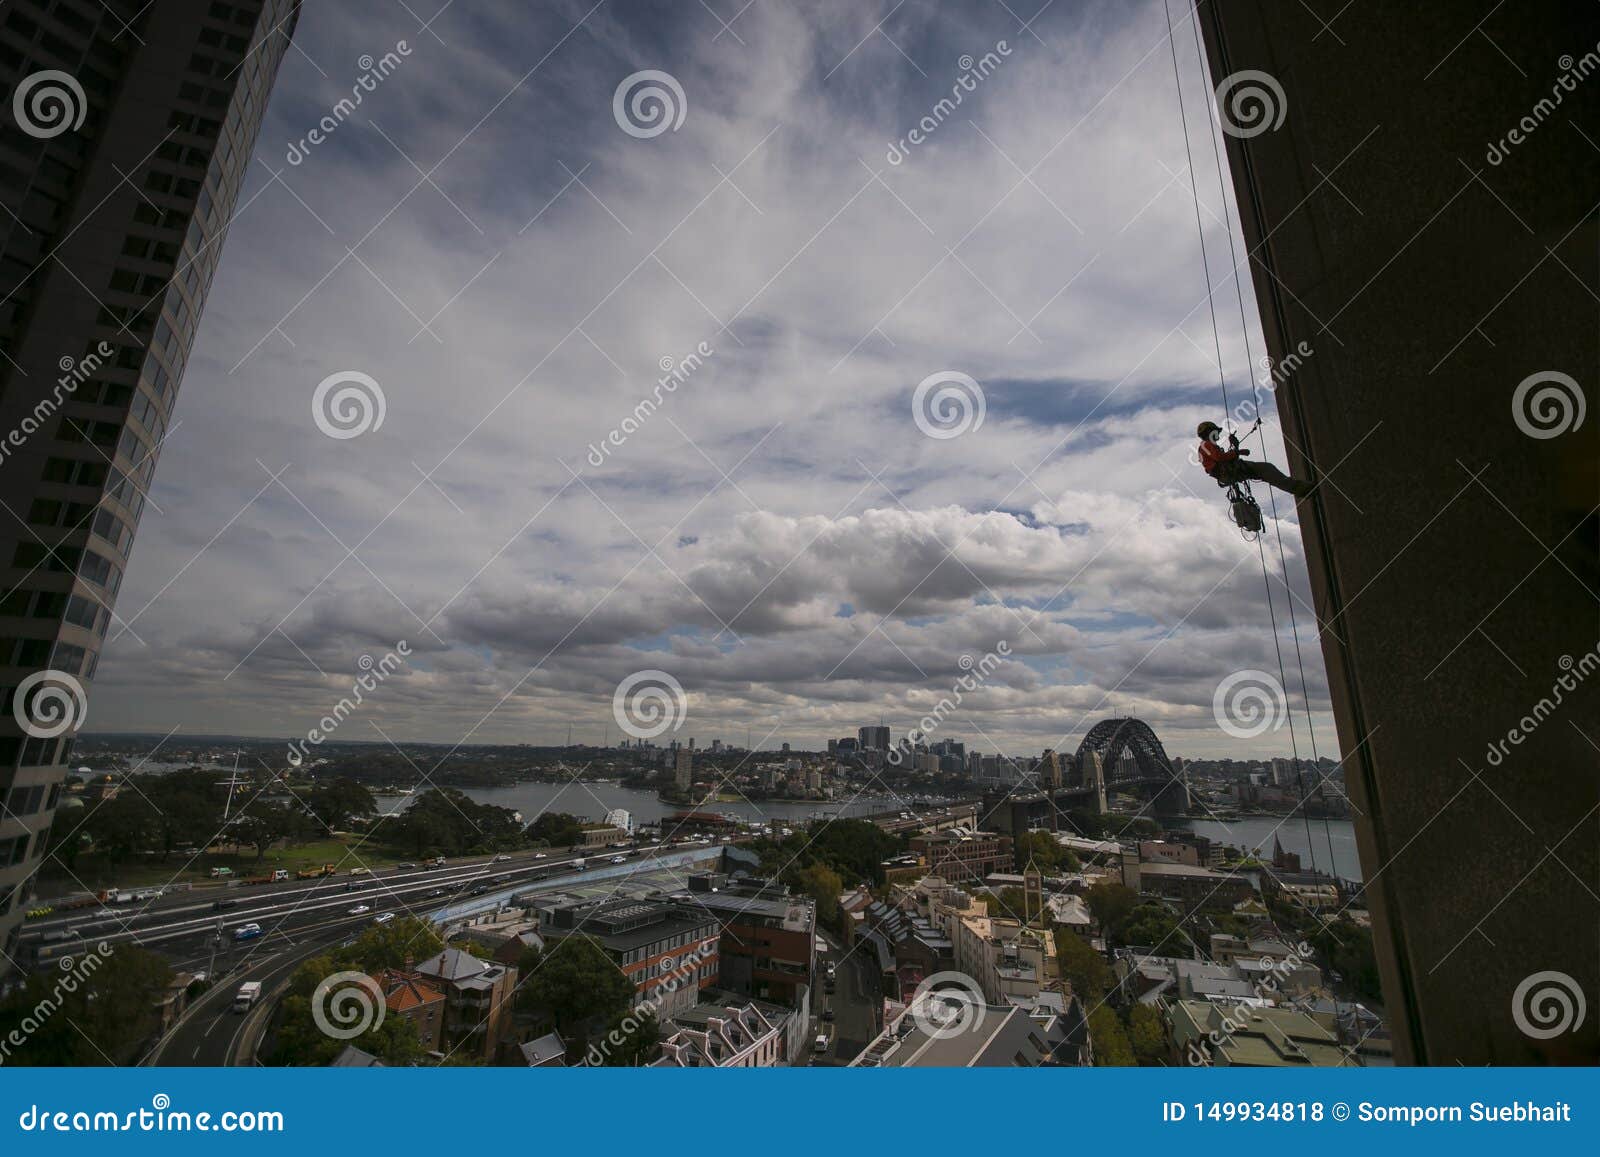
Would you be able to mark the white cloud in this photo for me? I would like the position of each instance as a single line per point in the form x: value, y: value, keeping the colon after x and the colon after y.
x: 557, y: 260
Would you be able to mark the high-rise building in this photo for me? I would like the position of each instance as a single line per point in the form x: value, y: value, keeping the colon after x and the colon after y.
x: 874, y: 738
x: 684, y: 769
x: 125, y: 135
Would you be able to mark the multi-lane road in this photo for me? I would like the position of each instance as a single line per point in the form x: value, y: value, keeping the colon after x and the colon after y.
x: 195, y: 929
x: 211, y: 1033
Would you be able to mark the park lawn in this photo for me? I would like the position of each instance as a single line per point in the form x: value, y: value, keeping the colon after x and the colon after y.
x: 94, y: 873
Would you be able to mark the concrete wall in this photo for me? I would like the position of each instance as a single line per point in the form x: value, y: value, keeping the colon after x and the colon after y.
x: 1452, y: 555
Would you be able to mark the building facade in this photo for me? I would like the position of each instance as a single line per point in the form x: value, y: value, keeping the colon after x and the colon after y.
x: 959, y: 855
x: 124, y: 141
x: 667, y: 951
x: 477, y: 1001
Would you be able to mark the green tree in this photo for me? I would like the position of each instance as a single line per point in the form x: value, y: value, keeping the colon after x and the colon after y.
x: 1082, y: 967
x: 557, y: 829
x: 121, y: 828
x: 96, y: 1013
x: 1147, y: 1034
x: 447, y: 820
x: 823, y: 885
x: 391, y: 945
x: 573, y: 985
x: 1038, y: 848
x: 1110, y: 1040
x: 301, y: 1040
x: 641, y: 1043
x: 1110, y: 904
x: 263, y: 823
x: 336, y: 802
x: 1155, y: 926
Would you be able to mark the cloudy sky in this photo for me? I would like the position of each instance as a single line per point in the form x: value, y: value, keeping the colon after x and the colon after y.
x: 486, y: 242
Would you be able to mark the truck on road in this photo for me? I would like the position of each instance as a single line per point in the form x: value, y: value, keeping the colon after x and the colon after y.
x: 315, y: 873
x: 276, y: 876
x: 249, y: 992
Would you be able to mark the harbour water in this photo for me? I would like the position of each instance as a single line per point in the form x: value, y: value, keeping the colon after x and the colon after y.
x: 1333, y: 843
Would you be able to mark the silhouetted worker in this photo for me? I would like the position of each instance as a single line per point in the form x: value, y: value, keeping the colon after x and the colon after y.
x: 1228, y: 466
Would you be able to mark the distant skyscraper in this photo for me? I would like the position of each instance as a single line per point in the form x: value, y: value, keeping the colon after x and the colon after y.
x: 125, y: 134
x: 875, y: 738
x: 684, y: 772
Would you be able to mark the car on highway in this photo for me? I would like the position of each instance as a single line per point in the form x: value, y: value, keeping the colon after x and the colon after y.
x: 480, y: 889
x: 360, y: 871
x: 383, y: 917
x: 827, y: 1014
x: 619, y: 859
x: 223, y: 905
x: 406, y: 866
x: 820, y: 1045
x: 540, y: 856
x: 360, y: 910
x: 501, y: 858
x: 247, y: 932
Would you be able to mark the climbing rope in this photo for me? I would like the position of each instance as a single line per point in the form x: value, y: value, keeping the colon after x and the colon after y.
x: 1277, y: 528
x: 1211, y: 305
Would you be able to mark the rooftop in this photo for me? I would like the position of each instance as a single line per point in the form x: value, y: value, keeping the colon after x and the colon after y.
x: 999, y: 1036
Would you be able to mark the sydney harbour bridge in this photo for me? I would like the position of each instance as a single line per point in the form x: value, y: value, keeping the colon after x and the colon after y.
x: 1120, y: 755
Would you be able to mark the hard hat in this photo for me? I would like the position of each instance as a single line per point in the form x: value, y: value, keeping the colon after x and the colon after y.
x: 1205, y: 429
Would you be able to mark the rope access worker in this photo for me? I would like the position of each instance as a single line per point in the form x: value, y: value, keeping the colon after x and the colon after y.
x: 1228, y: 466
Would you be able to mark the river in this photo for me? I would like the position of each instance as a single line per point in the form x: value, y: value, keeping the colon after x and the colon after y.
x: 1259, y: 831
x: 593, y: 800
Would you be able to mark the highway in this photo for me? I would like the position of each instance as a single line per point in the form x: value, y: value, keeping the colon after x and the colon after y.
x: 211, y: 1034
x: 194, y: 929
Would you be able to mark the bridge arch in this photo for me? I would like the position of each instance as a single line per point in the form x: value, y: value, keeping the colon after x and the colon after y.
x: 1129, y: 755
